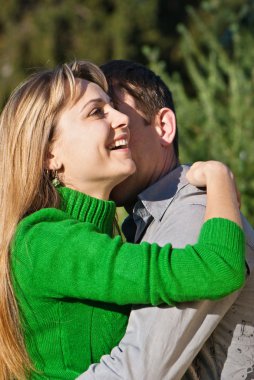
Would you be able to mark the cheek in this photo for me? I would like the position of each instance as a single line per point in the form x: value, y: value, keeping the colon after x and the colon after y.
x: 75, y: 139
x: 72, y: 151
x: 137, y: 144
x: 86, y: 153
x: 83, y: 144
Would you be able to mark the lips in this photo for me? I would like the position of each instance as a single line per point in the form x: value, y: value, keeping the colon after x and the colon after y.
x: 118, y: 144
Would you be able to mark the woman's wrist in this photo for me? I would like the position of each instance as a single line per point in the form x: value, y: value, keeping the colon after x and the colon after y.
x: 221, y: 195
x: 217, y: 171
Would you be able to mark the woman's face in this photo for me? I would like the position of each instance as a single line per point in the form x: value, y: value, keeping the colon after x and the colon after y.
x: 90, y: 151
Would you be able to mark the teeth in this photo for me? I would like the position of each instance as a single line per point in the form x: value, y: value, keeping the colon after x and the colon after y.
x: 118, y: 143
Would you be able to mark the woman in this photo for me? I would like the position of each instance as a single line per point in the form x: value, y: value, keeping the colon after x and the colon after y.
x: 66, y: 285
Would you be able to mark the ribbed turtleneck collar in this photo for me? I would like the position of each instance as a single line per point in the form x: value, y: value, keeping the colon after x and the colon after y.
x: 86, y: 208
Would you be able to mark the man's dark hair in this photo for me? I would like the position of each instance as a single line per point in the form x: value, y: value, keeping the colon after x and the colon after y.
x: 149, y: 91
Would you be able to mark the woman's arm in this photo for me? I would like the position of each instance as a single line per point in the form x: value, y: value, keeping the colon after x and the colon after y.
x: 91, y: 265
x: 222, y: 201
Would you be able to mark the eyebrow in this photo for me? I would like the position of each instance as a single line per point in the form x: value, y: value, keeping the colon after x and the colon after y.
x: 96, y: 100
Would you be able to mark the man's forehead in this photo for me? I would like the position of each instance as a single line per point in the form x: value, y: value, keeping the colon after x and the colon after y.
x: 126, y: 102
x: 121, y: 96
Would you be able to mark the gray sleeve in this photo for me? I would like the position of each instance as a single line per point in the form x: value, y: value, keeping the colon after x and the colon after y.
x: 161, y: 342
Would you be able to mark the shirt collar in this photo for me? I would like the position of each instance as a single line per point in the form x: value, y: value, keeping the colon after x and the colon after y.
x: 157, y: 197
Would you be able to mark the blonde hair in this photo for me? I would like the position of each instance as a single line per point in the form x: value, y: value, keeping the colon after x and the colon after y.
x: 27, y: 126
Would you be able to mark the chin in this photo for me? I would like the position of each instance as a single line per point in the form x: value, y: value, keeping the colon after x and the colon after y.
x: 126, y: 170
x: 131, y: 167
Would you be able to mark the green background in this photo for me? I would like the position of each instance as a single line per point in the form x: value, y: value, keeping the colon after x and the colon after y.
x: 202, y: 49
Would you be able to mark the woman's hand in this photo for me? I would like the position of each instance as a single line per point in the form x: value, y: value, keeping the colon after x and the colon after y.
x: 201, y: 172
x: 223, y: 199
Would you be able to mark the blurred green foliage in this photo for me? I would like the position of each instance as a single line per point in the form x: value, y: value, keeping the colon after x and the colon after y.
x: 214, y: 101
x: 202, y: 49
x: 42, y: 33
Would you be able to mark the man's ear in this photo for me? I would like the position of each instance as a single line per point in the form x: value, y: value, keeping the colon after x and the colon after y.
x: 165, y: 125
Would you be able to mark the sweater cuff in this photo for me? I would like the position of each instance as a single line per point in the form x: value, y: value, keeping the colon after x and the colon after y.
x: 86, y: 208
x: 222, y: 231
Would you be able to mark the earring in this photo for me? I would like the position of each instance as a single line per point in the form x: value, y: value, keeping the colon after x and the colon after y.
x: 55, y: 180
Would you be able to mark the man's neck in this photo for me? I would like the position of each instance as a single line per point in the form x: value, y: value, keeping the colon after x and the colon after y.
x: 165, y: 170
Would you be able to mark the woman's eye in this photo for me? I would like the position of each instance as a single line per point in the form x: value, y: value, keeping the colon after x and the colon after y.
x: 97, y: 112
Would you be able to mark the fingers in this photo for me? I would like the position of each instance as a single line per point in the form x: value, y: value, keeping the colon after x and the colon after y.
x: 203, y: 171
x: 196, y: 174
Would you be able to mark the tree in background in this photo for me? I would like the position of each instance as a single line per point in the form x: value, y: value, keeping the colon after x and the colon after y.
x: 42, y: 33
x: 215, y: 102
x: 212, y: 55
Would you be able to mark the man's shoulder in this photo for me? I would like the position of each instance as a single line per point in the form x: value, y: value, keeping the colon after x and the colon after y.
x: 175, y: 187
x: 174, y: 195
x: 171, y: 184
x: 190, y: 195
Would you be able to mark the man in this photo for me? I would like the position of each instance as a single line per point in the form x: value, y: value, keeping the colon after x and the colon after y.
x: 203, y: 340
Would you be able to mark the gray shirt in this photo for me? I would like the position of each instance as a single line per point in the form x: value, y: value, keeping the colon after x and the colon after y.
x: 210, y: 340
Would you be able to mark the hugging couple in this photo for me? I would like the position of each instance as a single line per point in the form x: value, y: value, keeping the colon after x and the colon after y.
x: 77, y: 302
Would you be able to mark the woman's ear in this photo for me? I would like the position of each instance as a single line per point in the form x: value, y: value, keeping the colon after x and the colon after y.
x: 165, y: 125
x: 52, y: 161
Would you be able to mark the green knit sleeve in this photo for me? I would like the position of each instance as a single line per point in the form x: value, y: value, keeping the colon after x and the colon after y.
x: 59, y: 257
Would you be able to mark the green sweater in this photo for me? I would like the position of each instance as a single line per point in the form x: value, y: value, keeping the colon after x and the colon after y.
x: 74, y: 283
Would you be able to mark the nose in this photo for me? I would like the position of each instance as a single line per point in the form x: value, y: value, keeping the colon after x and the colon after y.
x: 119, y: 119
